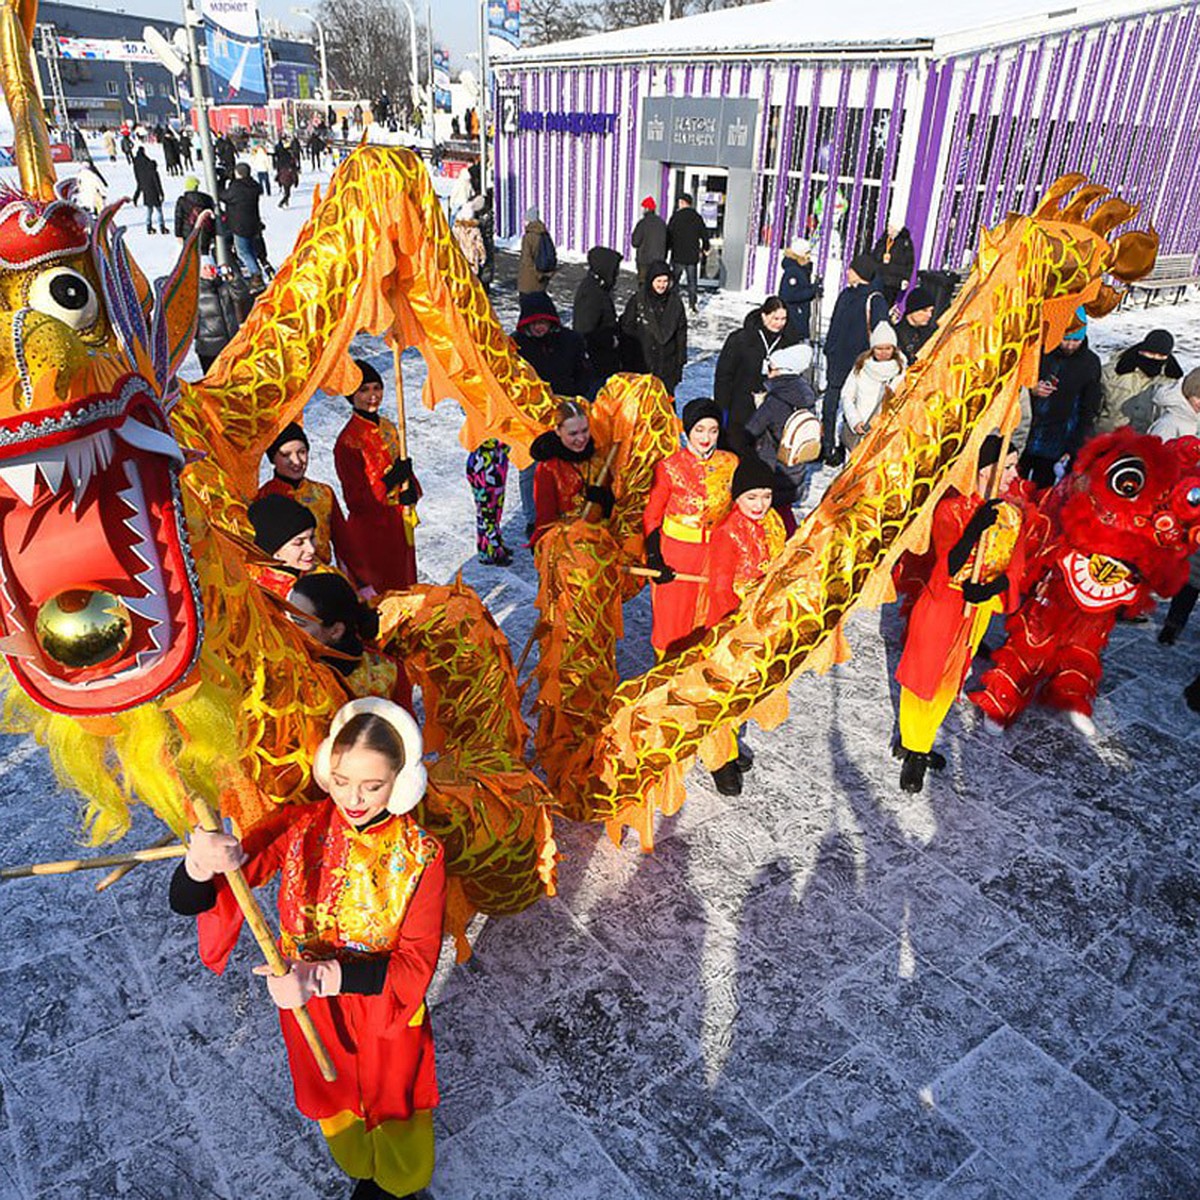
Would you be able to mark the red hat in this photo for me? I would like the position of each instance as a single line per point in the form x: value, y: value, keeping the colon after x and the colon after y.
x: 649, y: 202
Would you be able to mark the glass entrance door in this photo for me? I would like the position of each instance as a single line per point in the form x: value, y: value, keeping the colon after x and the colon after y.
x: 708, y: 187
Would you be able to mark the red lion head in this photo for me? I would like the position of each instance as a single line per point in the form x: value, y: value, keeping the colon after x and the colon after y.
x: 1136, y: 498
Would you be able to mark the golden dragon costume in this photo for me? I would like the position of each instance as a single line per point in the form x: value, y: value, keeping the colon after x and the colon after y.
x: 140, y: 651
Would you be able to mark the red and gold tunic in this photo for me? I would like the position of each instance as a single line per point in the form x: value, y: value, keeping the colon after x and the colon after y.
x: 558, y: 490
x: 738, y: 556
x: 689, y: 497
x: 276, y: 579
x: 936, y: 639
x: 354, y: 895
x: 320, y: 500
x: 380, y: 539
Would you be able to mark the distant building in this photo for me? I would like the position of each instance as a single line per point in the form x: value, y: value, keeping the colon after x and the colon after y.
x: 792, y: 119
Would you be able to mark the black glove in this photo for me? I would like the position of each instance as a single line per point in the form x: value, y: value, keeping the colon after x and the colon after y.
x: 400, y: 472
x: 408, y: 493
x: 601, y: 494
x: 654, y: 558
x: 983, y: 519
x: 981, y: 593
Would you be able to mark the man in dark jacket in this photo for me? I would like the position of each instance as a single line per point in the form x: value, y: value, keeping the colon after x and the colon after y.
x: 224, y: 304
x: 860, y: 307
x: 687, y: 239
x: 559, y: 356
x: 917, y: 326
x: 649, y: 238
x: 1065, y: 402
x: 240, y: 202
x: 654, y: 328
x: 188, y: 208
x: 595, y: 314
x: 149, y: 189
x: 895, y: 255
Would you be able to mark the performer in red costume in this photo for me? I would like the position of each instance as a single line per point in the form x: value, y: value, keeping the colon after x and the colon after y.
x: 567, y: 464
x: 955, y: 603
x: 381, y: 491
x: 361, y: 902
x: 742, y: 547
x: 689, y: 496
x: 285, y: 530
x: 1121, y: 526
x: 288, y: 454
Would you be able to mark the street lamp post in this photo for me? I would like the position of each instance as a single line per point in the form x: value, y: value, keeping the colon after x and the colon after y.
x: 308, y: 14
x: 415, y: 81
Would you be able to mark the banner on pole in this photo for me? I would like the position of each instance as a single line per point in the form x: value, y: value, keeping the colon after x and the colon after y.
x: 504, y: 26
x: 441, y: 79
x: 236, y: 68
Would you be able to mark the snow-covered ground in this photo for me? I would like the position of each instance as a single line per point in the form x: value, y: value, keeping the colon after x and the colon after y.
x: 825, y: 989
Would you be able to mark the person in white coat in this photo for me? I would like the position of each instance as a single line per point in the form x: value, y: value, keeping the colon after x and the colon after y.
x: 91, y: 190
x: 879, y: 369
x: 1179, y: 416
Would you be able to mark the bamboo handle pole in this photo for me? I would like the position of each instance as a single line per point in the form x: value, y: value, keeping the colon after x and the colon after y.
x: 651, y: 573
x: 238, y: 884
x: 993, y: 492
x: 119, y: 873
x: 401, y: 425
x: 70, y: 865
x: 604, y: 470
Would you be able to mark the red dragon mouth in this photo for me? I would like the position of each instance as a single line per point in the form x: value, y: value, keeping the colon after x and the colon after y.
x: 91, y: 525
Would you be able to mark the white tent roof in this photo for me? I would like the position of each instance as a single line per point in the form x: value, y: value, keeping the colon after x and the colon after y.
x: 934, y: 27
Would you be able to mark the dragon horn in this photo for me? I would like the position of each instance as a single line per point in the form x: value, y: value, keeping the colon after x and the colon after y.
x: 1110, y: 214
x: 31, y: 142
x: 1049, y: 206
x: 1083, y: 199
x: 1134, y: 254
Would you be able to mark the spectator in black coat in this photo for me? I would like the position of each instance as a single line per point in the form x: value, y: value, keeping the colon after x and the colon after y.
x: 742, y: 368
x: 559, y: 356
x: 895, y: 258
x: 149, y: 189
x: 188, y: 208
x: 860, y: 307
x: 226, y: 156
x: 287, y: 171
x: 687, y: 240
x: 1065, y: 402
x: 649, y: 238
x: 797, y: 289
x: 223, y: 306
x: 240, y: 202
x: 654, y: 328
x: 595, y: 314
x: 918, y: 325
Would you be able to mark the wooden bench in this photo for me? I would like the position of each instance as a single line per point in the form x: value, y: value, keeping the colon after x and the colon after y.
x: 1171, y: 272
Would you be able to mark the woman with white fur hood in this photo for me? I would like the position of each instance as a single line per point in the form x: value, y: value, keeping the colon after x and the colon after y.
x: 877, y: 370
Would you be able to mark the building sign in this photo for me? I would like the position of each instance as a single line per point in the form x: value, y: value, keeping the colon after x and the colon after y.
x: 710, y: 133
x: 236, y: 68
x: 293, y: 81
x: 567, y: 122
x: 104, y: 50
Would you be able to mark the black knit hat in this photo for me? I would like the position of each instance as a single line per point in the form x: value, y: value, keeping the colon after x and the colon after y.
x: 291, y: 432
x: 864, y: 266
x: 658, y: 267
x: 278, y: 519
x: 537, y: 306
x: 989, y: 451
x: 1157, y: 341
x: 751, y: 473
x: 697, y: 410
x: 369, y: 375
x: 917, y: 299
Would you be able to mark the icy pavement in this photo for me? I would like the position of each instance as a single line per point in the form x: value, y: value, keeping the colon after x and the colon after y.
x: 823, y: 989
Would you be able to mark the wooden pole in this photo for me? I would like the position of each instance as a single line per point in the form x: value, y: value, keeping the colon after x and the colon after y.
x: 68, y: 866
x: 993, y: 491
x: 651, y: 573
x: 209, y: 821
x: 401, y: 426
x: 121, y: 871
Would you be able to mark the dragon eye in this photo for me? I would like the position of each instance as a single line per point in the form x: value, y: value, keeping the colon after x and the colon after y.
x: 67, y: 296
x: 1193, y: 497
x: 1127, y: 476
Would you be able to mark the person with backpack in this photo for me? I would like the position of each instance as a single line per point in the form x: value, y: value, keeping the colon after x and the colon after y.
x: 188, y: 208
x: 539, y: 258
x: 687, y: 240
x: 240, y: 200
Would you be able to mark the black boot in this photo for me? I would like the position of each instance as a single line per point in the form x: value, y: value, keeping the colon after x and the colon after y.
x: 912, y: 773
x: 1191, y: 694
x: 745, y: 756
x: 937, y: 761
x: 728, y: 779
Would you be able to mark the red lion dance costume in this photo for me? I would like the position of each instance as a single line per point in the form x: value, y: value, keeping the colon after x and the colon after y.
x: 1116, y: 532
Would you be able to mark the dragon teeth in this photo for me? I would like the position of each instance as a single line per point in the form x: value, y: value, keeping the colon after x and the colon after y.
x: 21, y: 479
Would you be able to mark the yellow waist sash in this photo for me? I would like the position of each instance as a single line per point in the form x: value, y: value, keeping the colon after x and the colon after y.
x: 672, y: 527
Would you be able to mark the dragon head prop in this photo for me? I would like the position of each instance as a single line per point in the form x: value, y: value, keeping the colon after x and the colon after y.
x: 1135, y: 498
x: 99, y: 605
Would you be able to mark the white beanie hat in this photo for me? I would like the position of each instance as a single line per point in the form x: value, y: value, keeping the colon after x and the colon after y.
x: 883, y: 335
x: 801, y: 248
x: 793, y: 360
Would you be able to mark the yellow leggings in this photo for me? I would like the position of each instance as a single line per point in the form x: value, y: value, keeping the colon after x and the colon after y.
x: 921, y: 719
x: 398, y: 1155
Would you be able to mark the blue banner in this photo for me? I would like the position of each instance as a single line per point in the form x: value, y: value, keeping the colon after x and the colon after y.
x: 236, y: 66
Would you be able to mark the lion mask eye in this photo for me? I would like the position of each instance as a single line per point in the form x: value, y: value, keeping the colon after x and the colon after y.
x: 66, y: 296
x: 1127, y: 476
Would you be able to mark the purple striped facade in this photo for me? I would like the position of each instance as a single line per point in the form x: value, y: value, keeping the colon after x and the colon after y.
x: 950, y: 143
